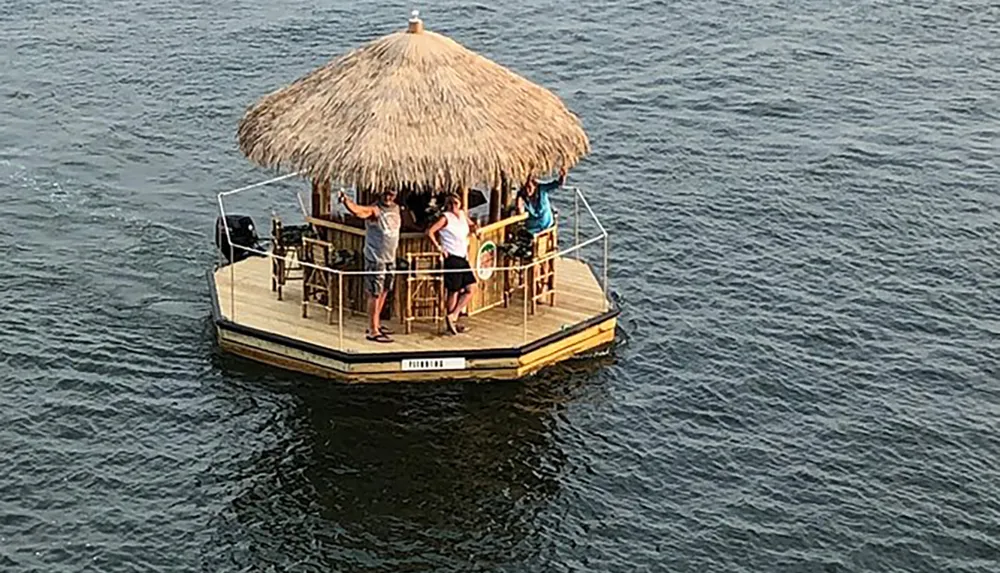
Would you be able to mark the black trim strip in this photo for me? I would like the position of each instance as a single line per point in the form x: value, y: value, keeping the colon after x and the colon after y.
x: 351, y: 358
x: 216, y: 309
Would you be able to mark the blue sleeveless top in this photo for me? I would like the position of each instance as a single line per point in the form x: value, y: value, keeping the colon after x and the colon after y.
x: 538, y: 208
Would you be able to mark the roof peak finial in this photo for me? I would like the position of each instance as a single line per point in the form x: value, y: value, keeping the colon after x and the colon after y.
x: 416, y: 24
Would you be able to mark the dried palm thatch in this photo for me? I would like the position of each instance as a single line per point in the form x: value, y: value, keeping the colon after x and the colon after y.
x: 413, y: 109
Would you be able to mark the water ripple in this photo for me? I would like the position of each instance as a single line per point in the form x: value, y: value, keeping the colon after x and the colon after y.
x: 803, y: 203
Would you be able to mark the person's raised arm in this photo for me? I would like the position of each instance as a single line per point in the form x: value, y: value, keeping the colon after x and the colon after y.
x: 359, y: 211
x: 555, y: 184
x: 432, y: 232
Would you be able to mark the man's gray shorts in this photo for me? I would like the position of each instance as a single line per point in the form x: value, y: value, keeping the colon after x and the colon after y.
x: 381, y: 280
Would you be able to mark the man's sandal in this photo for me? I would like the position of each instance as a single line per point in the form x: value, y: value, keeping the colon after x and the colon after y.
x: 380, y: 337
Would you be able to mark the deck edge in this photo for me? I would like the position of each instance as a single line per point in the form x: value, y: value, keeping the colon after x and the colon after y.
x: 348, y: 358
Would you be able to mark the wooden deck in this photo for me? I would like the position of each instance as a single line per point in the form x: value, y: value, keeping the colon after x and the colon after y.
x: 252, y: 304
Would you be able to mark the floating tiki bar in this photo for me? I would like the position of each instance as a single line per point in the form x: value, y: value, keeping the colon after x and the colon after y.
x: 417, y: 113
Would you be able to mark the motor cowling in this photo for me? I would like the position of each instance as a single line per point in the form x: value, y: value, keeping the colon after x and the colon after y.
x: 242, y: 232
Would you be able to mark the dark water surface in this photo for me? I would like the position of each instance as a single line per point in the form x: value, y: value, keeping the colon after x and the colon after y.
x: 805, y: 205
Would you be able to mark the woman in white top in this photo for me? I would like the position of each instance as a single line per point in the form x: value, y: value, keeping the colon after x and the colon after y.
x: 453, y: 229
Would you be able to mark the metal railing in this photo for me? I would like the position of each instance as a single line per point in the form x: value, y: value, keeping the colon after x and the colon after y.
x: 600, y: 237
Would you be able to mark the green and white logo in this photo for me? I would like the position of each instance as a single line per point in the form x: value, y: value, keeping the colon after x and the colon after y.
x: 486, y: 260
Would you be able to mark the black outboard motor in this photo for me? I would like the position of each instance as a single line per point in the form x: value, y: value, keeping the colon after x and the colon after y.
x: 242, y: 232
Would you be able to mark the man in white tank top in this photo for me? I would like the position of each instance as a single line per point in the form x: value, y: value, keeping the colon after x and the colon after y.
x: 450, y: 234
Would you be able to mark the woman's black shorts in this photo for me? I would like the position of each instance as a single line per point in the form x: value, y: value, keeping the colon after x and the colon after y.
x: 453, y: 281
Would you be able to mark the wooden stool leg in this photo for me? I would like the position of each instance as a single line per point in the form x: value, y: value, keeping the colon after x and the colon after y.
x: 306, y: 277
x: 506, y: 287
x: 407, y: 301
x: 280, y: 264
x: 442, y: 306
x: 552, y: 283
x: 399, y: 300
x: 329, y: 301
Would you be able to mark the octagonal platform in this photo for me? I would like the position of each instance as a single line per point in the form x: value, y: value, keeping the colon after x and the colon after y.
x: 250, y: 321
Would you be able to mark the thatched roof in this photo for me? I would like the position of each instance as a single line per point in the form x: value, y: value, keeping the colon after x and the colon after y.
x: 413, y: 108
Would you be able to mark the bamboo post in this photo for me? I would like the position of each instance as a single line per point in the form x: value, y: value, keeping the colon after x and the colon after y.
x: 495, y: 201
x: 315, y: 200
x: 321, y: 198
x: 504, y: 196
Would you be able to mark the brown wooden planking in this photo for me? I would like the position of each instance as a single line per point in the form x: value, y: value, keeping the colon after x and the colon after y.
x: 257, y: 307
x: 484, y: 332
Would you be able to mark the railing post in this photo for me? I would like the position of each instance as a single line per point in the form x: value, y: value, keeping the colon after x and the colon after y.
x: 526, y: 278
x: 340, y: 309
x: 576, y: 223
x: 232, y: 280
x: 604, y: 269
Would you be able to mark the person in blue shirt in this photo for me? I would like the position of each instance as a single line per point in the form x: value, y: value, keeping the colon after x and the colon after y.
x: 533, y: 199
